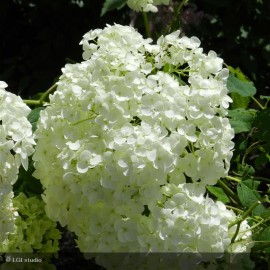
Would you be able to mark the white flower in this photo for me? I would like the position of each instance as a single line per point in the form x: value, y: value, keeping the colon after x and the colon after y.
x: 121, y: 136
x: 8, y: 215
x: 146, y: 5
x: 15, y: 135
x: 16, y: 145
x: 139, y: 5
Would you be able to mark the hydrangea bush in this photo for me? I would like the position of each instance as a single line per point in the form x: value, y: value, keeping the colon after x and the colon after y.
x: 129, y: 149
x: 129, y: 140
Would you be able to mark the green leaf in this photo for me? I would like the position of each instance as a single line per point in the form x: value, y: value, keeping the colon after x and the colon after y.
x: 265, y: 236
x: 111, y: 5
x: 219, y: 193
x: 181, y: 82
x: 241, y: 120
x: 238, y: 73
x: 243, y: 144
x: 26, y: 183
x: 252, y: 184
x: 248, y: 197
x: 34, y: 116
x: 266, y: 214
x: 262, y: 132
x: 243, y: 88
x: 239, y: 101
x: 247, y: 170
x: 166, y: 67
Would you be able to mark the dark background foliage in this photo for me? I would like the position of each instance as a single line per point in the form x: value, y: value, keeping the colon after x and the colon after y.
x: 238, y: 31
x: 38, y: 37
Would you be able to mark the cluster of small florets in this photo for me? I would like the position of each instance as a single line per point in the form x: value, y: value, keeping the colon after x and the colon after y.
x: 34, y: 230
x: 186, y: 222
x: 124, y: 132
x: 16, y: 138
x: 16, y: 144
x: 146, y: 5
x: 8, y: 215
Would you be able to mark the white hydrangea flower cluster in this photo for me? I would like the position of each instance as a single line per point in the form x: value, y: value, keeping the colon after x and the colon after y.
x: 124, y: 132
x: 16, y: 138
x: 188, y: 223
x: 34, y: 230
x: 146, y: 5
x: 184, y: 221
x: 8, y: 215
x: 16, y: 144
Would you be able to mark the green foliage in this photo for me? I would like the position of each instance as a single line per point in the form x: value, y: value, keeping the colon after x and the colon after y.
x: 110, y: 5
x: 252, y: 184
x: 243, y: 88
x: 248, y: 197
x: 34, y: 116
x: 239, y: 101
x: 35, y: 231
x: 262, y: 132
x: 267, y: 98
x: 241, y: 120
x: 238, y: 31
x: 218, y: 193
x: 262, y: 243
x: 251, y: 159
x: 247, y: 171
x: 48, y: 33
x: 265, y: 237
x: 240, y: 88
x: 26, y: 183
x: 238, y: 73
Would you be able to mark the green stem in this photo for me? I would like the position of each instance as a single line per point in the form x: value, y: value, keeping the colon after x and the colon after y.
x: 176, y: 13
x: 146, y: 25
x: 191, y: 147
x: 40, y: 101
x: 260, y: 178
x: 266, y: 103
x: 256, y: 225
x: 250, y: 209
x: 86, y: 119
x: 49, y: 91
x: 236, y: 232
x: 248, y: 151
x: 233, y: 179
x: 228, y: 191
x: 258, y: 103
x: 252, y: 177
x: 235, y: 209
x: 31, y: 102
x: 246, y: 214
x: 239, y: 221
